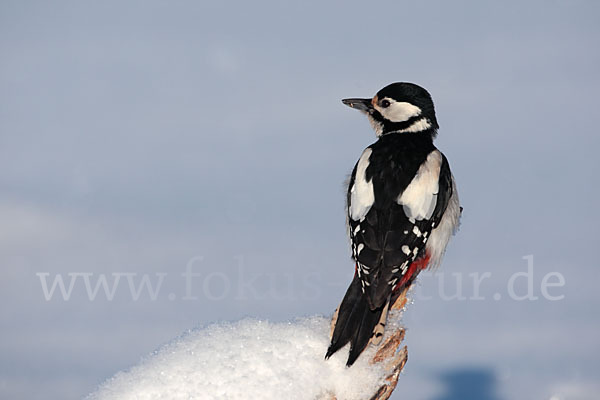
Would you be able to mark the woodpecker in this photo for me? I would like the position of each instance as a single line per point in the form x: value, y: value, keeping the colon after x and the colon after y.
x: 402, y: 209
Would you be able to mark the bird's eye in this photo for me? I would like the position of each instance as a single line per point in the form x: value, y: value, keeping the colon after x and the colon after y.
x: 385, y: 103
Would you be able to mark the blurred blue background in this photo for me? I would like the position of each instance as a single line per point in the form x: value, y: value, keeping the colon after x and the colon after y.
x: 151, y: 138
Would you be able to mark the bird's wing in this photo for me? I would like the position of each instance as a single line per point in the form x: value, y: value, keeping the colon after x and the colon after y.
x: 390, y: 217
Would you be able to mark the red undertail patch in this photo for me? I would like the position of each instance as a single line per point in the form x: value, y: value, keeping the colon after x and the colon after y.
x: 413, y: 269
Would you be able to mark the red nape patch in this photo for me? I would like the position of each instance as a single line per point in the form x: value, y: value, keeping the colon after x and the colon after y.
x: 355, y: 269
x: 413, y: 269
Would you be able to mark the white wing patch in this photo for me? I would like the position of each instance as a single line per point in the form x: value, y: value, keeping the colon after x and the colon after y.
x: 362, y: 196
x: 420, y: 197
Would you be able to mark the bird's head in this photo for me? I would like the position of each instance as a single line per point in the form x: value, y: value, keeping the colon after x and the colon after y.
x: 397, y: 108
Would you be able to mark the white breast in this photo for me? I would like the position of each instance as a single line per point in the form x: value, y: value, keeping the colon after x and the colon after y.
x: 440, y: 235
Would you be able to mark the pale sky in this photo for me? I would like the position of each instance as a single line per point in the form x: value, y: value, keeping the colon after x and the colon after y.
x: 144, y: 136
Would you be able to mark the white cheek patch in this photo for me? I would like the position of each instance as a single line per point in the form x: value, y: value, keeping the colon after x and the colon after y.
x: 362, y: 195
x: 420, y: 197
x: 418, y: 126
x: 399, y: 111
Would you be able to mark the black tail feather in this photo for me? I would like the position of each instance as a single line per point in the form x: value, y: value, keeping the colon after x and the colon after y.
x: 355, y: 323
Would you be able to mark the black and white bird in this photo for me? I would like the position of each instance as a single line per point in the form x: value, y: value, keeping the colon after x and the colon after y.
x: 402, y: 210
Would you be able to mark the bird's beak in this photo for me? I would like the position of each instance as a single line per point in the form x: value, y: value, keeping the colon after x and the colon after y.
x: 360, y: 104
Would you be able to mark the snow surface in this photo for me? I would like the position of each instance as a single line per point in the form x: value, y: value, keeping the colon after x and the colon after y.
x: 249, y: 359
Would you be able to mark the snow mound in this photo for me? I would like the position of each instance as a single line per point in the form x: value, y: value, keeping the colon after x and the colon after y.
x: 249, y: 359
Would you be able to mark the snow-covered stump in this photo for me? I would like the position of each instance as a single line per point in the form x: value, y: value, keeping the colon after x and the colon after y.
x: 389, y: 355
x: 394, y: 358
x: 254, y: 359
